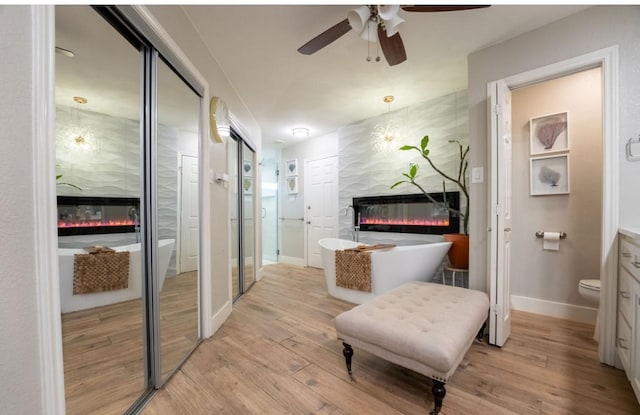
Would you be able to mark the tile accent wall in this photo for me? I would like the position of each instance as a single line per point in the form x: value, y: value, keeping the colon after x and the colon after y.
x: 366, y: 172
x: 114, y: 170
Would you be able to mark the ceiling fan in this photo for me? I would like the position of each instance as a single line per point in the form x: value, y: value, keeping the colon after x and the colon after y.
x: 377, y: 22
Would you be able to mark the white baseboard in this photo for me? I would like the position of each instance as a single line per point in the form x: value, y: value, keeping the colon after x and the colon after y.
x: 291, y: 260
x: 554, y: 309
x: 220, y: 317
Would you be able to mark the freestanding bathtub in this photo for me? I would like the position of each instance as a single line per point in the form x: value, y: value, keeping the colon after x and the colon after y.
x: 70, y: 302
x: 389, y: 267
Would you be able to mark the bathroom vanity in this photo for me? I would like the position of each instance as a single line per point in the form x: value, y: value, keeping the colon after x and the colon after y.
x: 628, y: 319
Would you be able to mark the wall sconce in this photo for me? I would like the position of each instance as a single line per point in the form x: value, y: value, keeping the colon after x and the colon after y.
x: 300, y: 132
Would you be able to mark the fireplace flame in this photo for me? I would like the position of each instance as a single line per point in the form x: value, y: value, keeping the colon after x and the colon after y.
x: 95, y: 223
x: 404, y: 222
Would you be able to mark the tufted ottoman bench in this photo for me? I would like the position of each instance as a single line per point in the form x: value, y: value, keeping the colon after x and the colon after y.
x: 422, y: 326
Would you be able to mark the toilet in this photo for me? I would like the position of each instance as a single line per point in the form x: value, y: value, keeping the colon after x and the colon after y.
x: 590, y: 290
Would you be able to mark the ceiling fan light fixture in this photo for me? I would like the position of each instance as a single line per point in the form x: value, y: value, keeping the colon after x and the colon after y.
x: 358, y: 18
x: 370, y: 31
x: 388, y: 12
x: 391, y: 26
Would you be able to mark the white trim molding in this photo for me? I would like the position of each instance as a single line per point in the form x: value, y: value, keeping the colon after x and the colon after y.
x: 218, y: 319
x: 44, y: 197
x: 554, y: 309
x: 607, y: 59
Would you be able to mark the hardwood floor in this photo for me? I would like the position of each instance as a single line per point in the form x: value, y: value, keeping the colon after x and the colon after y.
x: 277, y: 354
x: 103, y: 348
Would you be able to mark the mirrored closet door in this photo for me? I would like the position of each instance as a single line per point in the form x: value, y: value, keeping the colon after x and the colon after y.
x: 127, y: 159
x: 242, y: 166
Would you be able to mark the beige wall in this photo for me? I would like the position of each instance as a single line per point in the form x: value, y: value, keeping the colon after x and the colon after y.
x: 590, y: 30
x: 554, y: 275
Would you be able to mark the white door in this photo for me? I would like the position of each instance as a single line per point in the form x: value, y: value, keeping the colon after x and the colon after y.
x: 188, y: 260
x: 321, y: 200
x: 499, y: 97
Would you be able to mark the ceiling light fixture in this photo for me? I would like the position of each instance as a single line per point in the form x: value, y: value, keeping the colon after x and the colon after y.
x: 76, y: 136
x: 384, y: 135
x: 300, y: 132
x: 365, y: 21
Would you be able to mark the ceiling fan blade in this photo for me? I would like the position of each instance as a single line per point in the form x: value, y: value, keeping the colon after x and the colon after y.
x: 440, y: 8
x: 392, y: 47
x: 323, y: 39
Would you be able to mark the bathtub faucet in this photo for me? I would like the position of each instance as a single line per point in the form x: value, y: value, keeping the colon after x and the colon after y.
x: 356, y: 229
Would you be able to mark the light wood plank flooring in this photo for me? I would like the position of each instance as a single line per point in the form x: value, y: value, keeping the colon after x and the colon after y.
x: 277, y: 354
x: 103, y: 347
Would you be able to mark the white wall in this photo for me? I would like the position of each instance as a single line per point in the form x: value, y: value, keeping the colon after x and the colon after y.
x: 176, y: 23
x: 554, y: 275
x: 20, y: 389
x: 292, y: 206
x: 592, y: 29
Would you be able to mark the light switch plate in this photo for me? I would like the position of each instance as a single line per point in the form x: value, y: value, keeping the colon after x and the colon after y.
x: 477, y: 175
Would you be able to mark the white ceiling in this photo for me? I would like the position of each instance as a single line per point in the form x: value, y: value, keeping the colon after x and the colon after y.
x: 256, y: 46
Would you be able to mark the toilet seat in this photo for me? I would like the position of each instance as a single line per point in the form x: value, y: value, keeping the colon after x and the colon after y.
x: 590, y: 284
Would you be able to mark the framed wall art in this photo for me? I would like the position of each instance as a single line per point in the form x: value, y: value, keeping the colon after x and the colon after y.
x: 247, y: 185
x: 247, y: 168
x: 549, y: 175
x: 291, y: 168
x: 549, y: 133
x: 292, y: 185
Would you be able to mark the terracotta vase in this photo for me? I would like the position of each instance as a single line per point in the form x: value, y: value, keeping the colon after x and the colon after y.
x: 459, y: 251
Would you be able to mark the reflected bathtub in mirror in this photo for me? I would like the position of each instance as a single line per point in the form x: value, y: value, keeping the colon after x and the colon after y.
x: 70, y: 302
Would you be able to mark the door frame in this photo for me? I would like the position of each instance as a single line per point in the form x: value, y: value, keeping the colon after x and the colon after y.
x: 607, y: 59
x: 305, y: 198
x: 45, y: 228
x: 179, y: 208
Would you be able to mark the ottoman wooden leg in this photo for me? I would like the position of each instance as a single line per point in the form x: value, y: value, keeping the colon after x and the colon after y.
x: 438, y: 391
x: 348, y: 354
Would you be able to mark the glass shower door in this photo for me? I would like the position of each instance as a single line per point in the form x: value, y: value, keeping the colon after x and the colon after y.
x: 269, y: 211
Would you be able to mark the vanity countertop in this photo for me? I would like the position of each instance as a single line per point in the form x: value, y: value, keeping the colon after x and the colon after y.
x: 633, y: 233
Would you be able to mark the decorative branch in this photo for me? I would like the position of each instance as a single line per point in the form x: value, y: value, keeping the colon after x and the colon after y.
x: 460, y: 181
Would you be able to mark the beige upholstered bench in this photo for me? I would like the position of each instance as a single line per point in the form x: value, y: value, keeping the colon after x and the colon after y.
x: 422, y: 326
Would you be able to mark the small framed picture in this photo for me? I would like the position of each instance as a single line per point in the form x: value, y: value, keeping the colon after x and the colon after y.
x: 247, y: 185
x: 549, y: 133
x: 291, y: 167
x: 247, y: 168
x: 292, y: 185
x: 549, y: 175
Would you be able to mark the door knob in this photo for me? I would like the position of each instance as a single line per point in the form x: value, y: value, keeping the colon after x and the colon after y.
x: 507, y: 229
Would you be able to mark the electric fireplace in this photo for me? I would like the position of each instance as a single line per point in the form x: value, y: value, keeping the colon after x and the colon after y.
x: 413, y: 213
x: 97, y: 215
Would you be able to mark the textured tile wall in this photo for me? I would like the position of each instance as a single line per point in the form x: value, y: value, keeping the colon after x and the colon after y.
x: 365, y: 171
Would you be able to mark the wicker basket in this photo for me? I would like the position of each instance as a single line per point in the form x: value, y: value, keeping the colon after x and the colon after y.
x: 353, y: 270
x: 100, y: 271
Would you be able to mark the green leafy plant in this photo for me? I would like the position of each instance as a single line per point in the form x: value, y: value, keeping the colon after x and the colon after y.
x: 59, y: 183
x: 460, y: 180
